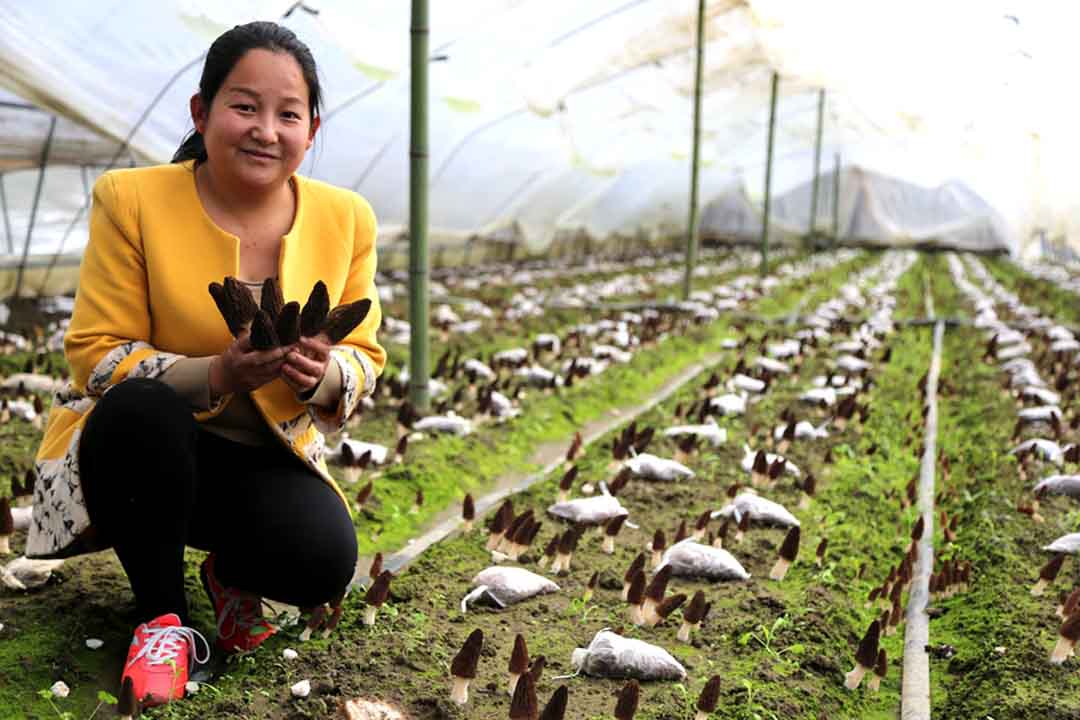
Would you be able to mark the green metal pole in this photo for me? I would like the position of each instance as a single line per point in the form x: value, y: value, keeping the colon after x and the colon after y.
x: 691, y: 226
x: 817, y: 163
x: 836, y: 199
x: 418, y: 210
x: 768, y: 178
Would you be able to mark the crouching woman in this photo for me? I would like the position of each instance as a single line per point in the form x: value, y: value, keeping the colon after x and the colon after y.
x: 174, y: 431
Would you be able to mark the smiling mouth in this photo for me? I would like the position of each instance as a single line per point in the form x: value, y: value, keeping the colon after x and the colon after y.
x: 256, y: 153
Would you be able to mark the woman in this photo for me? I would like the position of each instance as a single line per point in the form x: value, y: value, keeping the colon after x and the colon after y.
x: 173, y: 432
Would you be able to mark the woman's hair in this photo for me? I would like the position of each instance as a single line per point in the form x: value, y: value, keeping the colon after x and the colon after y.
x: 223, y: 56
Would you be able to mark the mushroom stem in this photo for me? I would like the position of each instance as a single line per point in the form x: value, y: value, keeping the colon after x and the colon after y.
x: 702, y: 715
x: 460, y: 692
x: 625, y: 590
x: 636, y: 615
x: 352, y: 474
x: 564, y: 496
x: 874, y: 684
x: 511, y: 685
x: 1062, y: 650
x: 685, y: 630
x: 609, y: 544
x: 657, y: 556
x: 369, y: 614
x: 1040, y: 587
x: 5, y: 544
x: 779, y: 570
x: 467, y: 526
x: 853, y: 678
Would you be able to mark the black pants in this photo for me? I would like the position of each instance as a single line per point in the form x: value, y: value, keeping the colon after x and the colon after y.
x: 155, y: 483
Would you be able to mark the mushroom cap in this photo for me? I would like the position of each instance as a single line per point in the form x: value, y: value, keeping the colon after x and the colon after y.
x: 789, y: 550
x: 465, y: 662
x: 1051, y: 569
x: 380, y: 589
x: 468, y: 507
x: 637, y: 564
x: 524, y: 705
x: 710, y: 695
x: 556, y: 706
x: 695, y: 611
x: 519, y: 657
x: 867, y: 653
x: 626, y: 705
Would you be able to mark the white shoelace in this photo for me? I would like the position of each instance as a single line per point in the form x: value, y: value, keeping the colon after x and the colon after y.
x: 234, y: 606
x: 163, y: 645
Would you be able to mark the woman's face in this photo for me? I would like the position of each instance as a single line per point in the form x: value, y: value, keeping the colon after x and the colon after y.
x: 259, y: 124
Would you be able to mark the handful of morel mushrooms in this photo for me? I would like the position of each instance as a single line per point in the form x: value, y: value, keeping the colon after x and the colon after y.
x: 276, y: 323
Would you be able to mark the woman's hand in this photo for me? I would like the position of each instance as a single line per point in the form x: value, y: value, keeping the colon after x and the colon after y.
x: 241, y: 369
x: 305, y: 363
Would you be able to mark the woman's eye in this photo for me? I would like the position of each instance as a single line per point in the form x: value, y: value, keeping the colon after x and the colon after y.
x: 289, y: 115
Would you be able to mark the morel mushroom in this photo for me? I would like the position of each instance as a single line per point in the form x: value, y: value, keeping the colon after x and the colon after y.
x: 556, y: 706
x: 463, y: 666
x: 468, y: 512
x: 636, y: 566
x: 313, y: 314
x: 1068, y: 634
x: 626, y: 705
x: 364, y: 495
x: 263, y: 335
x: 865, y: 656
x: 523, y: 705
x: 635, y: 596
x: 819, y: 558
x: 128, y: 706
x: 376, y: 596
x: 590, y: 589
x: 789, y: 550
x: 611, y: 529
x: 7, y: 526
x: 287, y: 324
x: 693, y: 615
x: 567, y: 483
x: 659, y: 544
x: 343, y: 319
x: 519, y: 663
x: 1048, y: 573
x: 499, y: 524
x: 271, y: 299
x: 880, y: 668
x: 708, y: 699
x: 654, y: 594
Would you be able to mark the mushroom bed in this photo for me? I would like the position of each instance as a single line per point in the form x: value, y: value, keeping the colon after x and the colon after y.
x: 780, y: 648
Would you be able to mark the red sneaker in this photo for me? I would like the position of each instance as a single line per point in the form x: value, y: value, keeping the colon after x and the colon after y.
x: 160, y: 658
x: 241, y: 626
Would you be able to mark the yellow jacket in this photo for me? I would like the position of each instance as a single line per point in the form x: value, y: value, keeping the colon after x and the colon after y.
x: 142, y: 304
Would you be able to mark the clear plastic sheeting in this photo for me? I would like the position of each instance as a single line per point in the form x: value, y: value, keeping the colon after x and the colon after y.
x: 555, y: 124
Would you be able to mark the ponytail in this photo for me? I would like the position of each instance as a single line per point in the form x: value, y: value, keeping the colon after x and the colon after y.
x: 193, y: 148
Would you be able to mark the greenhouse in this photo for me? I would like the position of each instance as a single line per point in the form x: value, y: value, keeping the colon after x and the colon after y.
x: 652, y: 359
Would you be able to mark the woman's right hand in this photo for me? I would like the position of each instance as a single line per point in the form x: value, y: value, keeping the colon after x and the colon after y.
x: 241, y: 369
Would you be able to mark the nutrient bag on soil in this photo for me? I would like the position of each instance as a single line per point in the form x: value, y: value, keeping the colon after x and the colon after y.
x: 689, y: 558
x: 610, y: 655
x: 505, y: 586
x: 759, y: 509
x: 651, y: 467
x: 591, y: 510
x: 1059, y: 485
x: 1065, y: 544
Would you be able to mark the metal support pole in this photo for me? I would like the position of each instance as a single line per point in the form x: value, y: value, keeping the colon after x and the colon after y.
x: 768, y: 178
x: 7, y: 217
x: 418, y: 207
x: 691, y: 225
x: 836, y: 199
x: 817, y: 163
x: 34, y: 208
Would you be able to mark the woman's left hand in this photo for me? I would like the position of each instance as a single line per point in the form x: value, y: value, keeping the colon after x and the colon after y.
x: 305, y: 364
